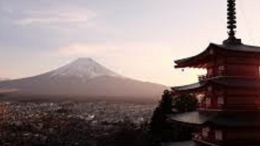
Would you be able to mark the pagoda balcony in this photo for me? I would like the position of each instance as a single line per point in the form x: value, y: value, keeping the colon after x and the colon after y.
x: 204, y: 106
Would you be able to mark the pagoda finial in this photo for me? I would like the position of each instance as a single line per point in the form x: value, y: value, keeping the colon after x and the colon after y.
x: 231, y: 18
x: 231, y: 21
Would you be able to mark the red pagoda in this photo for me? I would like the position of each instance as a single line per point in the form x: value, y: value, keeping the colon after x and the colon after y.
x: 229, y: 93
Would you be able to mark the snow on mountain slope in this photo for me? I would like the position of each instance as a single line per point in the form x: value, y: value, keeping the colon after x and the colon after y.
x: 83, y: 68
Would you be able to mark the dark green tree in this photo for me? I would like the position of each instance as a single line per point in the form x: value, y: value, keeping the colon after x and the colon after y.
x: 185, y: 103
x: 158, y: 121
x: 166, y: 102
x: 164, y: 108
x: 160, y: 129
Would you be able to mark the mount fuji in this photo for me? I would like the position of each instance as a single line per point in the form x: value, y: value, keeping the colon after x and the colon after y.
x: 83, y: 69
x: 83, y: 78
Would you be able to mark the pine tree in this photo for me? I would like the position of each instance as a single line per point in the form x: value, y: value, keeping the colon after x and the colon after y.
x: 166, y: 102
x: 185, y: 103
x: 158, y: 121
x: 160, y: 130
x: 164, y: 108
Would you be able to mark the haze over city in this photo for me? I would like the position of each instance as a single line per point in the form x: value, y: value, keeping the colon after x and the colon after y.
x: 138, y: 38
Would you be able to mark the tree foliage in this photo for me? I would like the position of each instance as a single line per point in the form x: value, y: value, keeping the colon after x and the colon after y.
x: 166, y: 102
x: 165, y: 107
x: 158, y: 121
x: 185, y: 103
x: 160, y: 129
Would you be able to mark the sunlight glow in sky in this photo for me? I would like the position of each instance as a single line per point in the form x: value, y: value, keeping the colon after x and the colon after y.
x: 136, y: 38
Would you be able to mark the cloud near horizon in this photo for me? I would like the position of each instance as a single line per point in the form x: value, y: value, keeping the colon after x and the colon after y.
x: 112, y: 49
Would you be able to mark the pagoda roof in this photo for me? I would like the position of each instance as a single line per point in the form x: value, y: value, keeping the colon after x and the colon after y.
x: 195, y: 61
x: 190, y: 86
x: 194, y: 118
x: 222, y: 80
x: 230, y: 119
x: 201, y: 60
x: 241, y: 47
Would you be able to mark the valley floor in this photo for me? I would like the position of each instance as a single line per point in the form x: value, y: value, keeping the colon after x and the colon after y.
x: 74, y: 124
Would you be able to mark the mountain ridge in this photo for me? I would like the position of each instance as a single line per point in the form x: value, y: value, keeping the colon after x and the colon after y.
x: 83, y: 77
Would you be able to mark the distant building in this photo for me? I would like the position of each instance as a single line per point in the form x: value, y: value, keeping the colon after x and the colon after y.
x: 229, y: 102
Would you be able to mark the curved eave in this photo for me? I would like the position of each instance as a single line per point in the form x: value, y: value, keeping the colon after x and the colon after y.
x: 193, y: 118
x: 238, y: 82
x: 238, y: 119
x: 195, y: 64
x: 190, y: 87
x: 199, y: 61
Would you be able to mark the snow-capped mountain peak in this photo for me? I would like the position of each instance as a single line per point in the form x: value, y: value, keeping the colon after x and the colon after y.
x: 83, y: 68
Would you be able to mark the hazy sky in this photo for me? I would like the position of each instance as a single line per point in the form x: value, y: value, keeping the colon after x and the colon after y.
x: 136, y: 38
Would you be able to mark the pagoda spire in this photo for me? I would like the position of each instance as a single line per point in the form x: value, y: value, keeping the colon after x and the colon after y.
x: 231, y: 18
x: 231, y: 23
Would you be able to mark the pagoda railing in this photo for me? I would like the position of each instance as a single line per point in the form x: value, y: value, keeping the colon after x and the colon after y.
x: 204, y: 106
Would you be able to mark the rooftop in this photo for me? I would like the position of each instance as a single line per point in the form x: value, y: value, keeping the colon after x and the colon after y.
x: 230, y: 119
x: 200, y: 60
x: 222, y: 80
